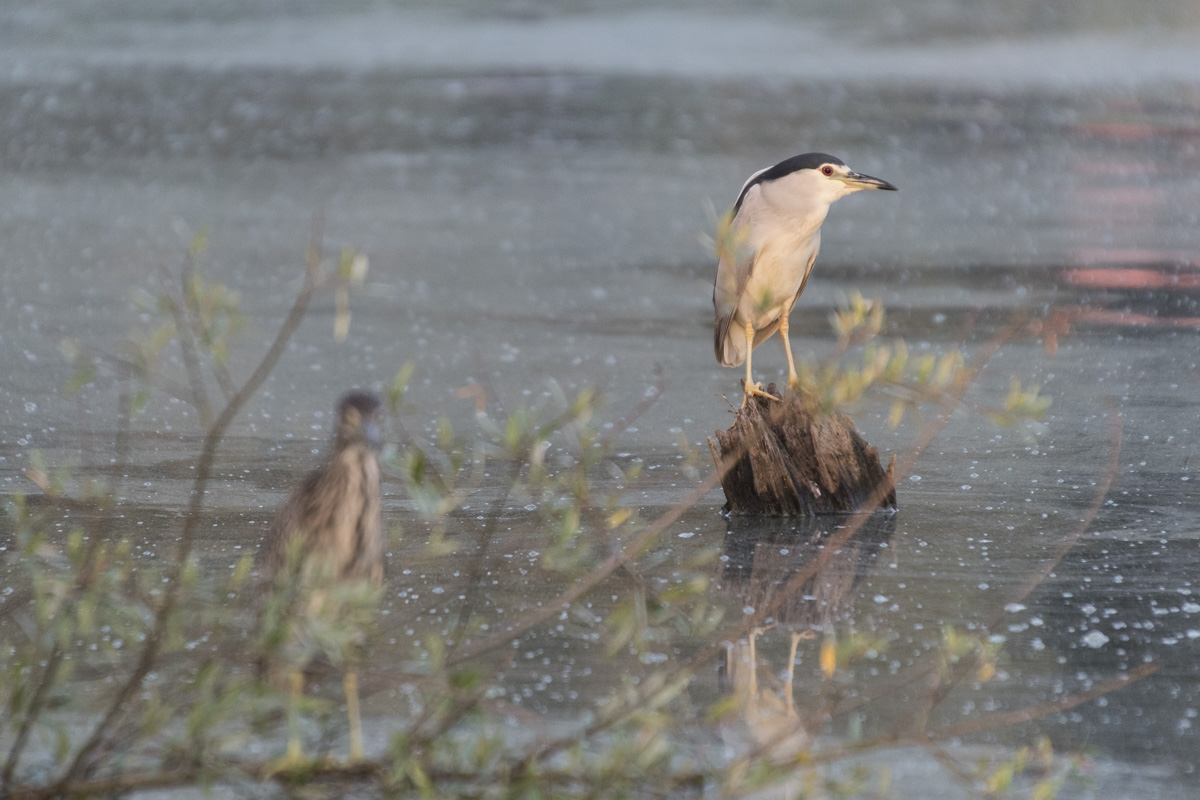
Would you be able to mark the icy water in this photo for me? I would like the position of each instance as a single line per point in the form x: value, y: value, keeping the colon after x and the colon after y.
x: 532, y: 187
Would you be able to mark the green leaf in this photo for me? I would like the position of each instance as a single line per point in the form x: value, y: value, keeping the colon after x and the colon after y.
x: 395, y: 393
x: 199, y: 243
x: 420, y: 778
x: 137, y: 404
x: 62, y: 744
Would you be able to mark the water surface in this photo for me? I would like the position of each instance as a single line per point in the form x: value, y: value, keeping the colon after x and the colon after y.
x: 532, y: 187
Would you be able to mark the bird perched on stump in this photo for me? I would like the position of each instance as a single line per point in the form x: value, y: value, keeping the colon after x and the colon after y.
x: 766, y: 247
x: 328, y: 537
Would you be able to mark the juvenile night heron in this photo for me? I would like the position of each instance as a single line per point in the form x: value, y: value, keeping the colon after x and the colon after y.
x: 329, y: 536
x: 766, y: 248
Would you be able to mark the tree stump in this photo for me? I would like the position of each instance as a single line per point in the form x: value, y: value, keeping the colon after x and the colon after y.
x: 780, y: 459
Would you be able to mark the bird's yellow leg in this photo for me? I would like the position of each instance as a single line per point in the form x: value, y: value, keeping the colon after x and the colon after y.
x: 754, y: 634
x: 754, y: 665
x: 293, y: 758
x: 295, y: 689
x: 787, y: 347
x: 353, y: 717
x: 791, y: 674
x: 749, y: 387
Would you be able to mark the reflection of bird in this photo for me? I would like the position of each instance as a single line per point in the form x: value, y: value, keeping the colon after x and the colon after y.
x: 760, y: 559
x: 766, y: 248
x: 329, y: 536
x: 769, y: 713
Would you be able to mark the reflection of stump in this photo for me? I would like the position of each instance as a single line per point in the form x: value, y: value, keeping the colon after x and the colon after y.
x: 790, y: 462
x: 760, y: 556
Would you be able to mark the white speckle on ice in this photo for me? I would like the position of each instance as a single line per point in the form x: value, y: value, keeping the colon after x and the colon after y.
x: 1095, y: 639
x: 1013, y: 608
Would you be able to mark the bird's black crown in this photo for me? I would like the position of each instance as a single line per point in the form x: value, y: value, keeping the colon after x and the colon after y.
x: 785, y: 168
x: 366, y: 403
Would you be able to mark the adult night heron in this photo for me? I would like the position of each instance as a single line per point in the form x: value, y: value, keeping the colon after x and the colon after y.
x: 766, y: 248
x: 328, y: 537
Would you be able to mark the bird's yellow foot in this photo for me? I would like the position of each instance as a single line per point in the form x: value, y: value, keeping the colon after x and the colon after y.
x: 355, y: 756
x: 293, y: 762
x: 755, y: 390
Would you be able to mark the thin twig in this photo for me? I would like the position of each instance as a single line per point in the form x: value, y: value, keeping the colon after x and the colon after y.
x: 948, y: 762
x: 990, y: 722
x: 228, y: 388
x: 181, y: 312
x: 475, y: 572
x: 161, y: 383
x: 1111, y: 470
x: 121, y: 441
x: 656, y: 391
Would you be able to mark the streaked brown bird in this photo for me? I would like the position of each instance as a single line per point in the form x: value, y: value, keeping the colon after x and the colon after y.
x: 329, y: 536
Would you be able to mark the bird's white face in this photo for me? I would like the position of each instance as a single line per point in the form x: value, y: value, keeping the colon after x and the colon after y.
x: 825, y: 184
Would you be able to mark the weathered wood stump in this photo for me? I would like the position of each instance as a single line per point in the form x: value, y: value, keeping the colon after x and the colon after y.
x: 786, y: 461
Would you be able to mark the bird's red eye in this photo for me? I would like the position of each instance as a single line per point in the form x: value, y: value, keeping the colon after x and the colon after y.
x: 826, y: 170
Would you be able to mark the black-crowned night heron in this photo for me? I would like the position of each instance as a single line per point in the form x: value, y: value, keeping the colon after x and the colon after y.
x: 766, y: 248
x: 329, y: 534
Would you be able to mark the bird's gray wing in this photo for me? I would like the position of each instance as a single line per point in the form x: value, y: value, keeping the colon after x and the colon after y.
x: 807, y: 273
x: 735, y: 263
x: 291, y: 522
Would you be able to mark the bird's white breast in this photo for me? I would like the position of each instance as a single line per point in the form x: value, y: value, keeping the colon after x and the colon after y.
x: 784, y: 229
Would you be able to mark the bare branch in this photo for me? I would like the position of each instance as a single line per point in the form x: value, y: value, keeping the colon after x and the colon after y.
x: 228, y: 388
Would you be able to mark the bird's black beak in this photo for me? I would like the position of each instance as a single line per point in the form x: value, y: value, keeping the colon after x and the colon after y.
x: 373, y: 431
x: 860, y: 181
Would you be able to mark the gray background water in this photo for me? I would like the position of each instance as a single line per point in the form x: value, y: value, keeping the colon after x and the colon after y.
x: 532, y: 182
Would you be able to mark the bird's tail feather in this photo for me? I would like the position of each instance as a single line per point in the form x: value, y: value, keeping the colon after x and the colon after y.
x: 730, y: 345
